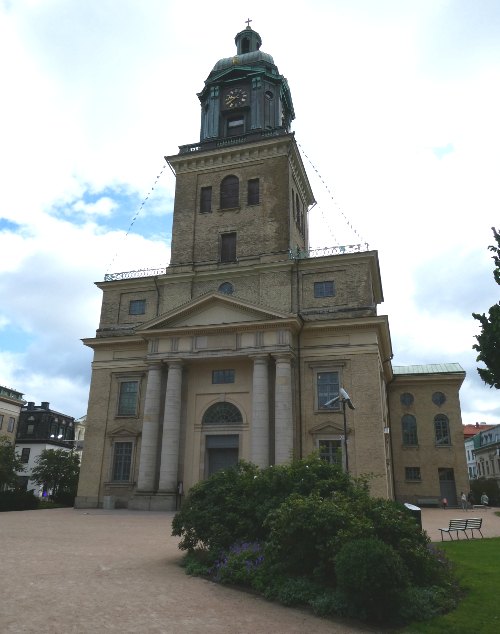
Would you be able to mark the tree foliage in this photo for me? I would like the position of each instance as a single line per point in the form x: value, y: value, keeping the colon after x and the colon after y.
x: 488, y: 342
x: 58, y: 470
x: 10, y: 462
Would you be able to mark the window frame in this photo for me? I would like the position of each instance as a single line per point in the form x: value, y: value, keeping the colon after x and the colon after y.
x: 120, y: 411
x: 227, y: 375
x: 206, y: 199
x: 114, y: 457
x: 253, y: 191
x: 227, y: 247
x: 230, y: 192
x: 317, y: 372
x: 411, y: 434
x: 25, y: 455
x: 442, y: 419
x: 135, y: 306
x: 321, y: 290
x: 410, y: 471
x: 339, y: 445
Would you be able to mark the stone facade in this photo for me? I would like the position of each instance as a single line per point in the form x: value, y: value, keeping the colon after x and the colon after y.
x: 238, y: 350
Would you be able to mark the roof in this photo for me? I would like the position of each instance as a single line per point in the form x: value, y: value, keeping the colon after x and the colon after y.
x: 472, y: 430
x: 431, y: 368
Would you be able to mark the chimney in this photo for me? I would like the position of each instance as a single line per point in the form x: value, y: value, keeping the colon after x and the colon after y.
x: 31, y: 405
x: 44, y: 405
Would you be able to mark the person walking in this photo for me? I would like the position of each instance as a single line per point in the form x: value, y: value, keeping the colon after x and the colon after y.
x: 444, y: 502
x: 463, y: 500
x: 470, y: 499
x: 485, y: 499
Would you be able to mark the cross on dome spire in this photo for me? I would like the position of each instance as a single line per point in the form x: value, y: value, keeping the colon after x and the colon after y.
x: 248, y: 22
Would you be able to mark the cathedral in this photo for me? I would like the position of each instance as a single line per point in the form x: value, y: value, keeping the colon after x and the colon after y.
x: 249, y: 345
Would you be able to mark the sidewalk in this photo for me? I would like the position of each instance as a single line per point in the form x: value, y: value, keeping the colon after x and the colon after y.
x: 68, y: 571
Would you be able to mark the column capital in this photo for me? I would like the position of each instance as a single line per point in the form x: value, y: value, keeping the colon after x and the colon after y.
x: 174, y: 363
x: 259, y: 357
x: 282, y: 357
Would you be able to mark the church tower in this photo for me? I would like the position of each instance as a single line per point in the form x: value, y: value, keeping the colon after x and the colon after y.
x: 238, y: 349
x: 242, y: 193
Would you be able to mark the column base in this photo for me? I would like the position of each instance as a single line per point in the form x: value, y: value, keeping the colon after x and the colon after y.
x: 148, y: 501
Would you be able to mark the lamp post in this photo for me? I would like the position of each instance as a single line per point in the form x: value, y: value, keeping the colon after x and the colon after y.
x: 344, y: 398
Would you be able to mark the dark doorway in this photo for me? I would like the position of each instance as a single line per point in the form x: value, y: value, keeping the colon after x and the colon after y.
x: 447, y: 486
x: 222, y: 452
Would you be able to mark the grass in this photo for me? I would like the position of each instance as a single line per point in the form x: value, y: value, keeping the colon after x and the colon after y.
x: 478, y: 567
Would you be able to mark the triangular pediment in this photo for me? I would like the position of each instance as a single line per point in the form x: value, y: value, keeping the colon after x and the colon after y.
x: 214, y: 309
x: 330, y: 428
x: 122, y: 432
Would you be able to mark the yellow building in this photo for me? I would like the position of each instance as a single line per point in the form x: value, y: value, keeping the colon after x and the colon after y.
x: 240, y: 347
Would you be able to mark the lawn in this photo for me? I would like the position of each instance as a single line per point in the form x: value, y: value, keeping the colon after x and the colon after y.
x: 478, y: 566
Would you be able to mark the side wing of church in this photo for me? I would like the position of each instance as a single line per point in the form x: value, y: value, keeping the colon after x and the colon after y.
x: 245, y: 346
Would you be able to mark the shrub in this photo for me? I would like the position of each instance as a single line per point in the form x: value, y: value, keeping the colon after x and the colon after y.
x: 238, y: 564
x: 306, y: 533
x: 18, y: 501
x: 371, y: 577
x: 232, y: 504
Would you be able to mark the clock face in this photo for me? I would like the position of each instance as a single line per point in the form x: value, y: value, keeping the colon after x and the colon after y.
x: 236, y: 97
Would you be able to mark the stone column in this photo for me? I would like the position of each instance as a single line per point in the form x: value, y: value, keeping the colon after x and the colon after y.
x: 283, y: 421
x: 260, y: 412
x: 171, y: 429
x: 150, y: 430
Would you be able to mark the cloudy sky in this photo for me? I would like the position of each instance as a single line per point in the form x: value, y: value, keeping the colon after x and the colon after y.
x: 397, y: 115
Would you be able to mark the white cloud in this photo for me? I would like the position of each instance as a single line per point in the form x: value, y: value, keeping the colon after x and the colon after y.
x: 100, y: 91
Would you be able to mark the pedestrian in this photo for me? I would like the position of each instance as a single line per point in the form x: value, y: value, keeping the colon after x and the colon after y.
x: 470, y: 499
x: 485, y: 499
x: 463, y: 500
x: 444, y: 502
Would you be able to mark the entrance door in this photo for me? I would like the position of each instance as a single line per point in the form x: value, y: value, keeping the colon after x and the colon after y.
x: 447, y: 486
x: 222, y: 452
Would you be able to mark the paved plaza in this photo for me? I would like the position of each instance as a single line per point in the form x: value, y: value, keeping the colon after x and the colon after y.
x: 96, y: 571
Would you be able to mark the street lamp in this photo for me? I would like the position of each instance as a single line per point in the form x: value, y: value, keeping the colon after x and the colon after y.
x: 344, y: 398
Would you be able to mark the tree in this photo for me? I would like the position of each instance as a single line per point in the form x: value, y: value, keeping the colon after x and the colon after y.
x: 10, y: 462
x: 488, y: 342
x: 58, y: 471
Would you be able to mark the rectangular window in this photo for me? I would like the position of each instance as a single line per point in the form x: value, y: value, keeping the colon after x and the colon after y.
x: 10, y: 424
x: 1, y: 421
x: 235, y: 126
x: 137, y: 307
x: 205, y: 200
x: 122, y: 461
x: 30, y: 429
x: 127, y: 400
x: 324, y: 289
x: 412, y: 474
x: 253, y: 192
x: 328, y: 388
x: 228, y: 247
x: 25, y: 455
x: 223, y: 376
x: 331, y: 451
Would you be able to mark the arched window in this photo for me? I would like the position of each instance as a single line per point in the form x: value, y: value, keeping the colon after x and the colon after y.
x: 222, y: 414
x: 409, y: 429
x: 442, y: 430
x: 229, y: 192
x: 226, y: 288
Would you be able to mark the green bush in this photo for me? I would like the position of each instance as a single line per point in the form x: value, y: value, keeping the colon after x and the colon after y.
x: 306, y: 534
x: 232, y: 504
x: 18, y: 501
x: 371, y: 577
